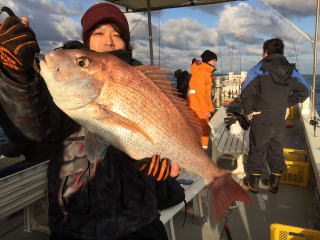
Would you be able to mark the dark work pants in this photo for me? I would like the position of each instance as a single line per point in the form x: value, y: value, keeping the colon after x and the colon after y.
x: 153, y: 231
x: 266, y: 144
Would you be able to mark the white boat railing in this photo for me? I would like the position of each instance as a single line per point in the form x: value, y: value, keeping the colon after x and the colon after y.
x: 22, y: 189
x: 312, y: 140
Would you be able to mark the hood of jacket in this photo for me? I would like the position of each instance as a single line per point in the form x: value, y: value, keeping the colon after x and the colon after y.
x: 278, y: 67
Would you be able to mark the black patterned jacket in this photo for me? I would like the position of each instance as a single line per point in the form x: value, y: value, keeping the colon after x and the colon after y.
x: 101, y: 200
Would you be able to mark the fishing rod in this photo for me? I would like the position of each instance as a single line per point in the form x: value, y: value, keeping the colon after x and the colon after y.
x: 8, y: 11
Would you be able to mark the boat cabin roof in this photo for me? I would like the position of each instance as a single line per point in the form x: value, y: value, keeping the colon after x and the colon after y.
x: 142, y: 5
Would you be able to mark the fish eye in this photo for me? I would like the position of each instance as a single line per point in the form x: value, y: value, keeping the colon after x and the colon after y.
x: 83, y: 62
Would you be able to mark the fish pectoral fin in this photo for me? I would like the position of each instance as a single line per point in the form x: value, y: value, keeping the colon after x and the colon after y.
x: 96, y: 147
x: 113, y: 118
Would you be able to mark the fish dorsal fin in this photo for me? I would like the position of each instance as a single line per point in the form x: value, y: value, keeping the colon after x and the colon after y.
x: 164, y: 81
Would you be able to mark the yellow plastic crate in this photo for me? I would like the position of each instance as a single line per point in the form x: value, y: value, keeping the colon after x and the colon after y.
x: 298, y: 167
x: 286, y: 232
x: 291, y: 115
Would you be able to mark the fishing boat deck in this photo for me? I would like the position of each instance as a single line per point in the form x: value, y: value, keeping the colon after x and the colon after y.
x: 292, y: 205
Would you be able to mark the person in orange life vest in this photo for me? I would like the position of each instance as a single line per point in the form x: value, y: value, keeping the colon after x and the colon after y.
x: 199, y: 92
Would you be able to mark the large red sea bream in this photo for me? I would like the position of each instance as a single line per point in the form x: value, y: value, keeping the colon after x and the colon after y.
x: 136, y: 110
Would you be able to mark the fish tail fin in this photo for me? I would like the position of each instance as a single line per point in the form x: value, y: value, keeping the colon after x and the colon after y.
x: 224, y: 191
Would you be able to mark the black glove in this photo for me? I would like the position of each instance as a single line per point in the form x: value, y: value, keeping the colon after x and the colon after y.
x: 18, y: 46
x: 157, y: 168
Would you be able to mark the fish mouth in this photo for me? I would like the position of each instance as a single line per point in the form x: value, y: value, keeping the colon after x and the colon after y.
x: 47, y: 62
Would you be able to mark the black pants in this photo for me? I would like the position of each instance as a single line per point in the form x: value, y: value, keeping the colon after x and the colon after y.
x: 266, y: 144
x: 152, y: 231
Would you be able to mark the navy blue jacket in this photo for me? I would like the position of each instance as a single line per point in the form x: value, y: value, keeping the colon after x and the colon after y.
x: 272, y: 85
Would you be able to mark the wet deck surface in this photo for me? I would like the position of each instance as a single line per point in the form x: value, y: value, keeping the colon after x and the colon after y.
x: 291, y: 206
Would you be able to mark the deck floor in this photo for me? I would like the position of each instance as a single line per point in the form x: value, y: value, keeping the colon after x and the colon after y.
x: 11, y: 228
x: 291, y: 206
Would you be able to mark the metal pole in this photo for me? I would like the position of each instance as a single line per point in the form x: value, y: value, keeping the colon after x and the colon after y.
x: 150, y: 32
x: 159, y: 36
x: 240, y: 52
x: 315, y: 51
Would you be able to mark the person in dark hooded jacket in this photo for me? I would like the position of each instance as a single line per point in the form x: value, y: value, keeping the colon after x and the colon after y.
x: 109, y: 198
x: 271, y: 87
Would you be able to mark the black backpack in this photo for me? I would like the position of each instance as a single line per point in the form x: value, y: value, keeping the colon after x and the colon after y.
x: 169, y: 193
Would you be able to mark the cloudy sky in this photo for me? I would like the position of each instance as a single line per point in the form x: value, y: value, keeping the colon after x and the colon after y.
x: 235, y: 31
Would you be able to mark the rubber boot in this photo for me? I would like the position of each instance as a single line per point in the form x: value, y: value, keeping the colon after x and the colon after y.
x: 252, y: 182
x: 273, y: 182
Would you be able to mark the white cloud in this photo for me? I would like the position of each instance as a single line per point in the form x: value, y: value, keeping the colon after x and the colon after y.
x: 67, y: 27
x: 213, y: 9
x: 51, y: 20
x: 294, y: 7
x: 138, y: 23
x: 26, y: 7
x: 251, y: 25
x: 180, y: 39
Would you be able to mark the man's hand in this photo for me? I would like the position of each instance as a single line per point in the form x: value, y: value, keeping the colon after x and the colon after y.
x: 18, y: 46
x: 157, y: 168
x: 250, y: 116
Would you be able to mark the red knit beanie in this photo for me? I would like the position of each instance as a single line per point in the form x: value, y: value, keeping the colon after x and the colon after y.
x: 104, y: 12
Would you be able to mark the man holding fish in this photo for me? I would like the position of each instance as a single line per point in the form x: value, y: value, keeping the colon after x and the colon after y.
x: 103, y: 115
